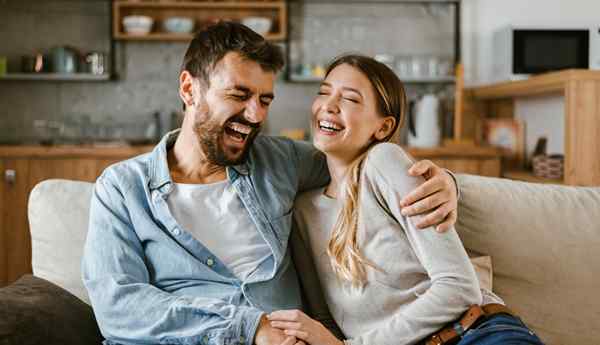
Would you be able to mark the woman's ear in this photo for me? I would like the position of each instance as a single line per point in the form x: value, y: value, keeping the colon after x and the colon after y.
x: 385, y: 129
x: 186, y: 87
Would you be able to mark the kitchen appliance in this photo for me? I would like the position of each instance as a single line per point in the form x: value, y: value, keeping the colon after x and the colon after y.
x: 95, y: 63
x: 64, y: 59
x: 3, y: 63
x: 424, y: 122
x: 520, y: 50
x: 34, y: 63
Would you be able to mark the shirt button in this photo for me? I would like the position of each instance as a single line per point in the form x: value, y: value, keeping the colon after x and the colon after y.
x: 210, y: 262
x: 205, y: 340
x: 242, y: 340
x: 176, y: 232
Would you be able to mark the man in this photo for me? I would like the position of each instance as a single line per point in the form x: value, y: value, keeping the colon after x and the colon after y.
x: 187, y: 244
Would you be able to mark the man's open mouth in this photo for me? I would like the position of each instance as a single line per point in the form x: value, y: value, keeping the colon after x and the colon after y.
x: 238, y: 132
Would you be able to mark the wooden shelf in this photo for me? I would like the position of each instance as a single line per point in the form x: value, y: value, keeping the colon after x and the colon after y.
x: 548, y: 83
x: 581, y: 91
x: 56, y: 76
x: 164, y: 36
x: 199, y: 4
x: 528, y: 176
x: 202, y: 12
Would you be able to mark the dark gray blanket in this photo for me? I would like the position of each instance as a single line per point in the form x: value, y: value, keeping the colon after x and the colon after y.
x: 35, y: 311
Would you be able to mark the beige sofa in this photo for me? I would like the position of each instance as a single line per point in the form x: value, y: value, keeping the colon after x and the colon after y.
x: 544, y: 242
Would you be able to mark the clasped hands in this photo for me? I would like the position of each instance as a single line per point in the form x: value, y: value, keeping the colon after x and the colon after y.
x: 292, y: 327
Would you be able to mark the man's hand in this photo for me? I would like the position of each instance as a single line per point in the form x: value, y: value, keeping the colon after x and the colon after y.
x: 436, y: 196
x: 296, y: 323
x: 267, y: 335
x: 293, y: 341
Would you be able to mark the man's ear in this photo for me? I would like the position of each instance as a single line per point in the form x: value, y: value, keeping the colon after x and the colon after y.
x: 186, y: 88
x: 385, y: 129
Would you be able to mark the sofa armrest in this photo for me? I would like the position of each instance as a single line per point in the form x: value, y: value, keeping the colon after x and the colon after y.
x: 35, y: 311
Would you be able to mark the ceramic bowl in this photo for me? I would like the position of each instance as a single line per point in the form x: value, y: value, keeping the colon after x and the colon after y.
x: 260, y: 25
x: 179, y: 25
x: 137, y: 25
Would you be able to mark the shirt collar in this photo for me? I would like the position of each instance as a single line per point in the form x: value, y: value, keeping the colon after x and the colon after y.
x: 159, y: 167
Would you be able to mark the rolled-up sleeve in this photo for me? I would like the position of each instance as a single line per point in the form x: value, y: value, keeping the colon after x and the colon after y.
x: 312, y: 166
x: 131, y: 310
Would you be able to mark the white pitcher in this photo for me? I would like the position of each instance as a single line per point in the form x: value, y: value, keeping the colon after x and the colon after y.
x: 424, y: 125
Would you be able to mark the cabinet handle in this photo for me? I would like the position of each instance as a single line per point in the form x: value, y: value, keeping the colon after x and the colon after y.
x: 10, y: 176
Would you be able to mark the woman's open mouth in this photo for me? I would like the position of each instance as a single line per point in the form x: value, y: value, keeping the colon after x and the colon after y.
x: 329, y: 128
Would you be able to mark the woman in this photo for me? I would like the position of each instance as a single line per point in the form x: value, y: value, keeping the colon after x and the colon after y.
x: 385, y: 282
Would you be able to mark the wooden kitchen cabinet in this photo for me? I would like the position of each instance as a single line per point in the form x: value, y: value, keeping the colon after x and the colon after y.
x: 484, y: 161
x: 15, y: 243
x: 70, y: 169
x: 484, y: 167
x: 24, y: 167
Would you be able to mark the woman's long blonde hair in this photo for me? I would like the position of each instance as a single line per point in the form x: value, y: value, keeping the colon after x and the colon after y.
x: 344, y: 253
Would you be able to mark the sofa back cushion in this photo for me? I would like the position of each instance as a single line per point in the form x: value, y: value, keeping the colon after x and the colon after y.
x: 544, y: 242
x: 58, y: 220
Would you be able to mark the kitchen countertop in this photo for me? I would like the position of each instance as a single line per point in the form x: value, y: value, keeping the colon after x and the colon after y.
x: 470, y: 151
x: 126, y: 151
x: 72, y: 151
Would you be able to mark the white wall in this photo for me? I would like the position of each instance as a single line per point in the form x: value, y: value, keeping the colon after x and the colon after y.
x: 480, y: 18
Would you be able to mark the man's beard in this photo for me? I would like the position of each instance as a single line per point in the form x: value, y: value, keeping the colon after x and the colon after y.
x: 210, y: 136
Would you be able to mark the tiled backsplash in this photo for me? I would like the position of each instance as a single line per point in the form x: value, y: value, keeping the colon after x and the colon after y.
x: 322, y: 30
x: 148, y: 71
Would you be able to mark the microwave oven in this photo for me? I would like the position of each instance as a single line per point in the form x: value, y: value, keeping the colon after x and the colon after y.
x: 521, y: 51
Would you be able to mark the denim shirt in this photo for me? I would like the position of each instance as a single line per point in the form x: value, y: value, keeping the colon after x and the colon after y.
x: 151, y: 282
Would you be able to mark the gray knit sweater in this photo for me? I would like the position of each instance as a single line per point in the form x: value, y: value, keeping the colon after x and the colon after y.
x: 424, y: 281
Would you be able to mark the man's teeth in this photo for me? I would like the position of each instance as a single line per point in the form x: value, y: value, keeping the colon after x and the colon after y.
x: 238, y: 127
x: 329, y: 126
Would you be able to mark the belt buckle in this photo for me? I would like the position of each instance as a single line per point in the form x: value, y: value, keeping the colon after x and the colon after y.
x: 436, y: 340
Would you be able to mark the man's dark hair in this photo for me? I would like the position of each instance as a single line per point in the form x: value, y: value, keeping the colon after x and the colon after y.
x: 210, y: 45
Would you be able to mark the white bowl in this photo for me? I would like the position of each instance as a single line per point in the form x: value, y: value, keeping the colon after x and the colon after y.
x: 261, y: 25
x: 179, y: 25
x: 137, y: 25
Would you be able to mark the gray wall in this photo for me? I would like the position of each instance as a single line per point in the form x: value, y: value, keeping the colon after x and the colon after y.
x: 148, y: 70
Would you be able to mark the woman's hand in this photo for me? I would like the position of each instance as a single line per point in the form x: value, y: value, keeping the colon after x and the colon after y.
x: 297, y: 324
x: 437, y: 196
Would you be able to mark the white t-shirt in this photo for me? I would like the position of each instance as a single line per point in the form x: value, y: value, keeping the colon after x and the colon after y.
x: 215, y: 216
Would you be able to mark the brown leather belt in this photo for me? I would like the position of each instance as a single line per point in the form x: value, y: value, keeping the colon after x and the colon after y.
x: 453, y: 332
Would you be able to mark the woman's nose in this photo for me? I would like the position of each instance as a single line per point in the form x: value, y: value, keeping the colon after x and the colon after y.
x: 331, y: 104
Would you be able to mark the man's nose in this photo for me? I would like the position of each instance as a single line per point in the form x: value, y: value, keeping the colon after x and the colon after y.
x: 255, y: 112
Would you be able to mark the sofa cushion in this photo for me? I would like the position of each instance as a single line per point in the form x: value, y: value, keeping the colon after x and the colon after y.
x: 544, y: 241
x: 58, y: 220
x: 35, y: 311
x: 483, y: 268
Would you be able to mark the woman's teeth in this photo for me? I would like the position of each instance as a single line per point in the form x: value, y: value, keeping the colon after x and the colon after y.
x: 329, y: 126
